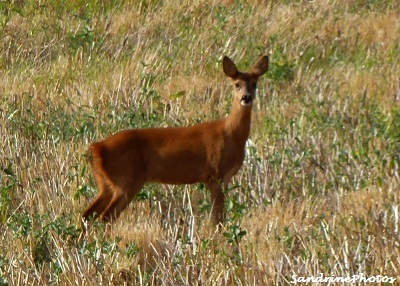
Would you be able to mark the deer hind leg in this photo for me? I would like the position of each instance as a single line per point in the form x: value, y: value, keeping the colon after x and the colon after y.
x: 120, y: 200
x: 217, y: 201
x: 101, y: 202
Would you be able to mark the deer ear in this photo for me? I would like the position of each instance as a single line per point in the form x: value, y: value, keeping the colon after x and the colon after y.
x: 229, y: 67
x: 260, y: 67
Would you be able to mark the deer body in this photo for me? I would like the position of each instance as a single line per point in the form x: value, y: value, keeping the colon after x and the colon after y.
x: 209, y: 153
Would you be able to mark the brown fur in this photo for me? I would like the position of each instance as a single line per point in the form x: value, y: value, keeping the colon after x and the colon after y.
x: 210, y: 153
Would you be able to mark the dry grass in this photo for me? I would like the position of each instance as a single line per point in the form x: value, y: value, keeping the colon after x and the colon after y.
x: 319, y: 190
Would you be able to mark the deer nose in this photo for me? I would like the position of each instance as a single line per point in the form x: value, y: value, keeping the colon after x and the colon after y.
x: 246, y: 99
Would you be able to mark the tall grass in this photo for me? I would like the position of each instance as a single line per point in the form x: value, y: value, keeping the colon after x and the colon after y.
x: 319, y: 190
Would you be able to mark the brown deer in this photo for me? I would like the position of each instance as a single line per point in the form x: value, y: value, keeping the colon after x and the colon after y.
x: 209, y: 153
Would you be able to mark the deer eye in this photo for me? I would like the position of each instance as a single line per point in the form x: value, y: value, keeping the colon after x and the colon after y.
x: 237, y: 85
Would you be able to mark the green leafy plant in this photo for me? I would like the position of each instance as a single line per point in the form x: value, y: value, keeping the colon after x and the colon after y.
x: 132, y: 249
x: 8, y: 185
x: 234, y: 234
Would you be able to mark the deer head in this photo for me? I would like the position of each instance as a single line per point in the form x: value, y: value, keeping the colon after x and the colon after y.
x: 245, y: 83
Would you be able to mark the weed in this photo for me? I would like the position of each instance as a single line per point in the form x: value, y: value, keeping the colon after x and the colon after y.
x: 8, y: 185
x: 234, y: 234
x: 82, y: 38
x: 132, y: 249
x: 281, y: 68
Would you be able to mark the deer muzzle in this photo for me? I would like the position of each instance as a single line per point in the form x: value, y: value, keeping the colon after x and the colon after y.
x: 246, y: 100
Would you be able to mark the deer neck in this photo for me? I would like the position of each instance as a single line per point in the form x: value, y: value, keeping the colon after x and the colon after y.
x: 238, y: 122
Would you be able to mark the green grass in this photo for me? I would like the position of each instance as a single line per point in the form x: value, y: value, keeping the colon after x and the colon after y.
x: 319, y: 189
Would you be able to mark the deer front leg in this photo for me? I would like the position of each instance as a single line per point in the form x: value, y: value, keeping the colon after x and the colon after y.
x: 217, y: 201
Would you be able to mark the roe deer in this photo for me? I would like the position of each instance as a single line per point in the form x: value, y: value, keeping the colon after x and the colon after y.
x: 209, y: 153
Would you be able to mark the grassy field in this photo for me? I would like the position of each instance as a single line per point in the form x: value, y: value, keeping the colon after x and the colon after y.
x: 317, y: 196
